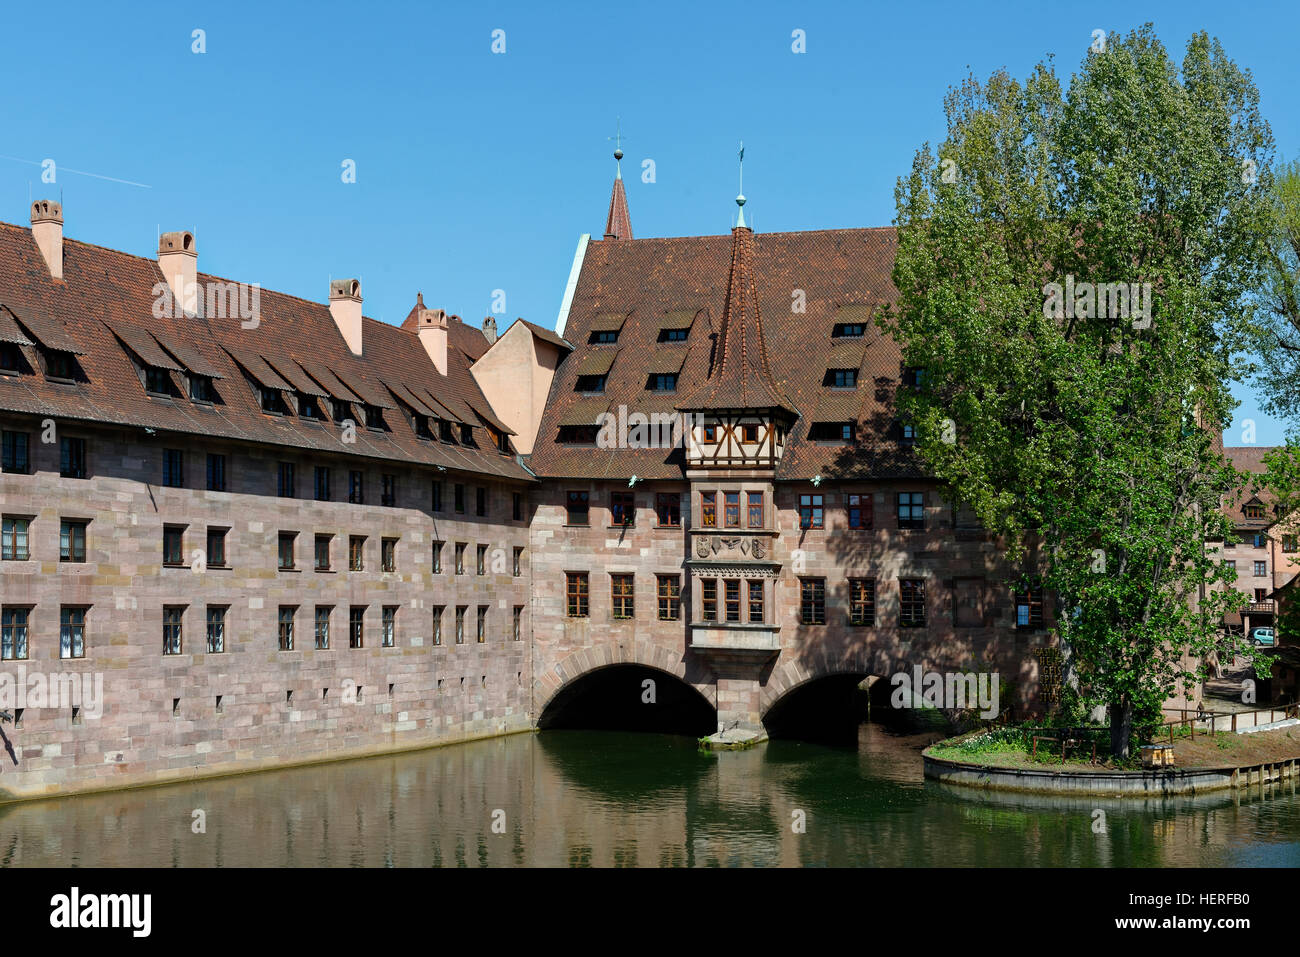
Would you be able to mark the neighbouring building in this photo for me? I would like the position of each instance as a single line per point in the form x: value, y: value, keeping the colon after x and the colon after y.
x: 279, y: 531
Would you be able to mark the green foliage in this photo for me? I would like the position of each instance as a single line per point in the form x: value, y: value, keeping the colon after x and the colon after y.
x: 1087, y: 441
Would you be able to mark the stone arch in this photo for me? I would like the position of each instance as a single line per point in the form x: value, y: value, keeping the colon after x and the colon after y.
x: 579, y: 664
x: 788, y: 676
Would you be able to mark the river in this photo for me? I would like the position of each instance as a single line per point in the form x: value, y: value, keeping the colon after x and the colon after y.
x: 606, y: 798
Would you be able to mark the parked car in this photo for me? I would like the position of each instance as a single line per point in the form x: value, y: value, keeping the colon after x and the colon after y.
x: 1262, y: 636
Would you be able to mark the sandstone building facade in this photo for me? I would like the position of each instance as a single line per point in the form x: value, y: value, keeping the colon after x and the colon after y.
x: 280, y: 531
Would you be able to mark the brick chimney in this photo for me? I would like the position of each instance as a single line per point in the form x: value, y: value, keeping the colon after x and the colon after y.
x: 345, y: 307
x: 431, y: 327
x: 178, y: 260
x: 47, y: 230
x: 490, y: 330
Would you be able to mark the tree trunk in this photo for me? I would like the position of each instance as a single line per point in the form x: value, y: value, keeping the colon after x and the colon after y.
x: 1121, y: 726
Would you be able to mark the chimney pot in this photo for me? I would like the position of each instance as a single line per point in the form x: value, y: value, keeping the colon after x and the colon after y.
x: 345, y: 307
x: 47, y: 230
x: 431, y: 327
x: 178, y: 261
x: 490, y: 329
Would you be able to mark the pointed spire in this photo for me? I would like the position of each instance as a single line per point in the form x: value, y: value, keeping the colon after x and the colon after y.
x: 741, y: 374
x: 618, y: 224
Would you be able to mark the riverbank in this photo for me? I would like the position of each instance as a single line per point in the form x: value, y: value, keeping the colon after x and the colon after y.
x: 1202, y: 764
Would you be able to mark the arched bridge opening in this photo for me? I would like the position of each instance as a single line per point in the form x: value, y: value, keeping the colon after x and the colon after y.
x: 630, y: 697
x: 827, y: 709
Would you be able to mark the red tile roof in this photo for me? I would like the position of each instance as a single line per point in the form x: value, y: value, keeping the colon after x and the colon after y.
x: 803, y: 281
x: 105, y: 290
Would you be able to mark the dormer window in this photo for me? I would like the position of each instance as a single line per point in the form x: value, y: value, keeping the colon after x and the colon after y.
x: 831, y: 432
x: 841, y: 378
x: 158, y: 381
x: 11, y: 358
x: 848, y: 330
x: 1253, y: 509
x: 663, y: 382
x: 591, y: 383
x: 466, y: 434
x: 309, y: 408
x: 374, y: 417
x: 422, y: 429
x: 913, y: 378
x: 273, y: 401
x: 578, y: 434
x: 673, y: 335
x: 60, y: 365
x: 604, y: 337
x: 341, y: 410
x: 202, y: 389
x: 445, y: 431
x: 907, y: 434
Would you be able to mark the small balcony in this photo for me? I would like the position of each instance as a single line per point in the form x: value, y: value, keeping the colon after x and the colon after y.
x: 1260, y: 608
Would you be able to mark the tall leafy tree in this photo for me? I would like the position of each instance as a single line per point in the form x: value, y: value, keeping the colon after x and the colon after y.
x: 1081, y: 429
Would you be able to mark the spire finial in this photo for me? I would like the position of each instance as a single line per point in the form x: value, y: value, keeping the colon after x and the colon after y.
x: 618, y: 147
x: 740, y: 198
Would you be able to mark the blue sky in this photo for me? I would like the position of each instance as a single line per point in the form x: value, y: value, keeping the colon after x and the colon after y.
x: 477, y: 171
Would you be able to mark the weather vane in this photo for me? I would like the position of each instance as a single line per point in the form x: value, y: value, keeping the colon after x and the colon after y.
x: 618, y: 144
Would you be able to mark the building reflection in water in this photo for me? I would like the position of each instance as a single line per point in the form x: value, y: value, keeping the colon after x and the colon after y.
x: 614, y: 799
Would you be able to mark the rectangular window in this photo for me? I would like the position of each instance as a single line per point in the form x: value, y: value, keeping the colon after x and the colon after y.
x: 216, y: 472
x: 621, y: 594
x: 173, y: 616
x: 709, y: 599
x: 731, y: 591
x: 388, y: 627
x: 437, y: 623
x: 481, y: 631
x: 460, y: 624
x: 356, y: 553
x: 622, y: 509
x: 357, y: 626
x: 755, y: 509
x: 323, y: 614
x: 173, y: 544
x: 388, y: 490
x: 749, y: 434
x: 670, y: 597
x: 1029, y: 607
x: 1260, y: 539
x: 1261, y: 569
x: 14, y: 539
x: 173, y: 468
x: 286, y: 484
x: 1253, y: 510
x: 72, y: 632
x: 663, y: 382
x: 14, y: 452
x: 1289, y: 543
x: 13, y: 633
x: 710, y: 433
x: 322, y: 483
x: 911, y: 602
x: 480, y: 561
x: 287, y: 540
x: 578, y: 508
x: 216, y: 557
x: 323, y: 552
x: 480, y: 501
x: 287, y: 613
x: 356, y: 487
x: 516, y: 569
x: 812, y: 601
x: 517, y: 625
x: 911, y: 510
x: 755, y: 602
x: 709, y: 509
x: 216, y: 628
x: 72, y: 541
x: 860, y: 511
x: 388, y: 554
x: 437, y: 495
x: 862, y: 602
x: 459, y: 491
x: 668, y: 509
x: 437, y: 557
x: 811, y: 514
x: 841, y: 379
x: 460, y: 558
x: 575, y: 590
x: 72, y: 458
x: 731, y: 501
x: 517, y: 506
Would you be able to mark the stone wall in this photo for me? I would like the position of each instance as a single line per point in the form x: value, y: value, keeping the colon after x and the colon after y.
x: 160, y: 717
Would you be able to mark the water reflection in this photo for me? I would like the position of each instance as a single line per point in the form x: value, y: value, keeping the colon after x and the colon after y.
x: 588, y: 798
